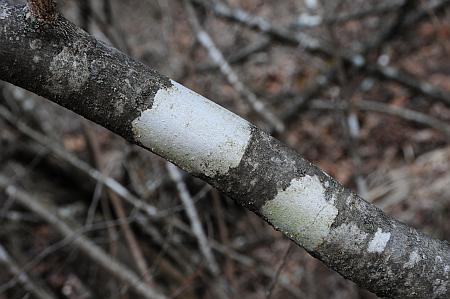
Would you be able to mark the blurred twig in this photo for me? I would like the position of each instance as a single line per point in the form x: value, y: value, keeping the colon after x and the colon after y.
x: 218, y: 58
x: 191, y: 212
x: 315, y: 46
x: 133, y: 243
x: 79, y: 164
x: 50, y: 215
x: 23, y: 277
x: 279, y: 269
x: 404, y: 113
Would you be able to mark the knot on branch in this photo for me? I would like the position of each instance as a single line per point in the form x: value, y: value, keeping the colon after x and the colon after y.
x: 43, y: 10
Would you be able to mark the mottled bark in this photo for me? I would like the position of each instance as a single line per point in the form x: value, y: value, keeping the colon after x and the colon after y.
x: 67, y: 66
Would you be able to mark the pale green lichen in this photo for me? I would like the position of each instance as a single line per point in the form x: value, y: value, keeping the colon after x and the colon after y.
x: 349, y: 236
x: 196, y: 134
x: 70, y: 71
x: 302, y: 212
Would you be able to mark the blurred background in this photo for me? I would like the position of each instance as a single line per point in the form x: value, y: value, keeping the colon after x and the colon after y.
x: 361, y: 88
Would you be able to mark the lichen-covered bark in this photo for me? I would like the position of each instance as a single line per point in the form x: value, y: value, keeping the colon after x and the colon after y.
x: 335, y: 225
x: 67, y: 66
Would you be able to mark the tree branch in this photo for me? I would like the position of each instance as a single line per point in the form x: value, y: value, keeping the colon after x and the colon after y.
x: 71, y: 68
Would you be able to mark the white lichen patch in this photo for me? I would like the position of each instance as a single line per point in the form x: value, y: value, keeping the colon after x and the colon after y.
x: 414, y: 259
x: 302, y: 212
x: 379, y: 241
x: 70, y: 71
x: 348, y: 236
x: 193, y: 132
x: 4, y: 11
x: 35, y: 44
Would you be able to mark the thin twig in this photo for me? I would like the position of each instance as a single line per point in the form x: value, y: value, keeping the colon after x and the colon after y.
x: 378, y: 9
x: 131, y: 239
x: 112, y: 184
x: 192, y: 213
x: 239, y: 56
x: 218, y: 58
x: 279, y: 269
x: 50, y: 215
x: 314, y: 46
x: 22, y: 276
x: 223, y: 233
x: 242, y: 259
x: 404, y: 113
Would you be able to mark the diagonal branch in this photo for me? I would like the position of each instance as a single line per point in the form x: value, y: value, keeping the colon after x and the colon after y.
x: 71, y: 68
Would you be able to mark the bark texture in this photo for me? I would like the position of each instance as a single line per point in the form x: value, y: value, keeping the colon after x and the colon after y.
x: 67, y: 66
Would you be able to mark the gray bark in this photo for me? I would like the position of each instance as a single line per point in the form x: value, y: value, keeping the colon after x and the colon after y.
x: 64, y: 64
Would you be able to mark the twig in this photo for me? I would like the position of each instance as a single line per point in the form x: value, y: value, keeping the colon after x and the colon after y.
x: 218, y: 58
x: 22, y: 276
x: 379, y: 9
x: 50, y: 215
x: 132, y: 242
x: 404, y: 113
x: 314, y: 46
x: 223, y: 233
x: 239, y: 56
x: 279, y: 269
x: 348, y: 116
x: 241, y: 259
x: 43, y: 10
x: 298, y: 102
x: 196, y: 225
x: 112, y: 184
x: 387, y: 34
x: 423, y: 87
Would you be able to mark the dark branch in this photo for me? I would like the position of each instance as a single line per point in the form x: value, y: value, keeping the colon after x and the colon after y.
x: 64, y: 64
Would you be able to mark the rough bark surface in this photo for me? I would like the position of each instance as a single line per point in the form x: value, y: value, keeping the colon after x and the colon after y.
x: 67, y: 66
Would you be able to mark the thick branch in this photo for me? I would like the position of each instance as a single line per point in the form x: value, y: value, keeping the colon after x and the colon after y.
x: 69, y: 67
